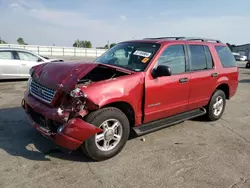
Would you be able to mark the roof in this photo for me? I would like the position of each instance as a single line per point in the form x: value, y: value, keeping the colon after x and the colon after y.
x: 178, y: 39
x: 19, y: 49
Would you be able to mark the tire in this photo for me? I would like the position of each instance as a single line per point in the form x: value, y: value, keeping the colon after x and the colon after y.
x: 213, y: 115
x: 248, y: 65
x: 95, y: 149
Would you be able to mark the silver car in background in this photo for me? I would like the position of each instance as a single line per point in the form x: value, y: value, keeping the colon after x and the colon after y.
x: 15, y: 63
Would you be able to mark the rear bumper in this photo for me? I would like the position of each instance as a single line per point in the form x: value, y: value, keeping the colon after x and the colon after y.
x: 69, y: 134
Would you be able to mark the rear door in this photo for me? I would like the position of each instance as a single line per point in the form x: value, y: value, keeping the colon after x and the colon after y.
x: 26, y: 61
x: 203, y: 75
x: 9, y: 66
x: 168, y: 95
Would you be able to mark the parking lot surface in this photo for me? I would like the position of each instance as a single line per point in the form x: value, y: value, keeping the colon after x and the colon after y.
x: 190, y: 154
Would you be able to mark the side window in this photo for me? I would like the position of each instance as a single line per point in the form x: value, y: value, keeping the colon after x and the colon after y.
x: 25, y: 56
x: 226, y: 57
x: 210, y: 62
x: 174, y: 57
x: 6, y: 55
x: 197, y: 57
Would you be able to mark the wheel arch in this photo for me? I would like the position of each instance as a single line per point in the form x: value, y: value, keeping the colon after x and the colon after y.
x: 225, y: 88
x: 126, y: 108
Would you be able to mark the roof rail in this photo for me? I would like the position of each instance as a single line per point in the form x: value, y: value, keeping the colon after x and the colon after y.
x: 156, y: 38
x: 185, y: 38
x: 204, y: 39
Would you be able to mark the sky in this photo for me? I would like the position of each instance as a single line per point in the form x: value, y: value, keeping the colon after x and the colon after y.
x: 61, y: 22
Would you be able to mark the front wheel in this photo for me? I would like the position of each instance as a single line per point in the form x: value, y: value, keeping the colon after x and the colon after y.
x: 110, y: 142
x: 216, y: 105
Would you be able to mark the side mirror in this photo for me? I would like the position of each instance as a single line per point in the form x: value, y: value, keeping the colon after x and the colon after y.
x: 39, y: 60
x: 162, y: 70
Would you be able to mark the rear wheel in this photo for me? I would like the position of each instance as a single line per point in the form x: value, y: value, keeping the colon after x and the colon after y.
x: 248, y: 65
x: 110, y: 142
x: 216, y: 105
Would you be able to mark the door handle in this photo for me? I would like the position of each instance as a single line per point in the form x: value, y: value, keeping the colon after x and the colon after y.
x: 215, y: 74
x: 23, y: 64
x: 183, y: 80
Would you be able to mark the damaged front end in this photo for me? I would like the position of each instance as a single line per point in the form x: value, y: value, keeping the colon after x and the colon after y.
x: 65, y: 126
x: 57, y: 107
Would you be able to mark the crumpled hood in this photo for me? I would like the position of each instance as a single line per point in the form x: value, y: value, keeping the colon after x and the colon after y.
x: 61, y: 75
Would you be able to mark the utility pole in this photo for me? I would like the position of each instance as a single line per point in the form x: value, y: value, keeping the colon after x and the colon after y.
x: 108, y: 44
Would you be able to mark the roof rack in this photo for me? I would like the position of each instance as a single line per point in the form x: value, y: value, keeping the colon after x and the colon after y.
x: 204, y: 39
x: 185, y: 38
x: 157, y: 38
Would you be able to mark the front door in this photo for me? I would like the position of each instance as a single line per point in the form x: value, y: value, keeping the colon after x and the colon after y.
x: 168, y: 95
x: 26, y: 61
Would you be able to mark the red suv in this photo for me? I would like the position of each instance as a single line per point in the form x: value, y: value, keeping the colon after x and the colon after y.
x: 140, y: 85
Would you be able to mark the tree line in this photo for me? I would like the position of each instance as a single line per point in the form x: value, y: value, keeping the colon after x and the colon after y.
x: 86, y: 44
x: 78, y: 43
x: 20, y: 41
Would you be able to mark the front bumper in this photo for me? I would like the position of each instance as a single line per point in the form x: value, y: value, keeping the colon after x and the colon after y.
x: 69, y: 134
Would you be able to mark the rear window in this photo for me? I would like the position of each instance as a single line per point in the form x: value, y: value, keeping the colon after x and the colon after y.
x: 226, y: 57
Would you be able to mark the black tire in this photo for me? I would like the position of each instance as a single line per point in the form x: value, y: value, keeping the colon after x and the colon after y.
x: 248, y: 65
x: 96, y: 118
x: 211, y: 115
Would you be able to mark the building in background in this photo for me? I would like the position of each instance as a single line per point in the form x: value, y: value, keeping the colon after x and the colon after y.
x: 243, y: 50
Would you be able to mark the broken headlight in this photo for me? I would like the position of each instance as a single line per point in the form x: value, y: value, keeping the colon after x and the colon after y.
x: 76, y: 93
x: 28, y: 84
x: 31, y: 71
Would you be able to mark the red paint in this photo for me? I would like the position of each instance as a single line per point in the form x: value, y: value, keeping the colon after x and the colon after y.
x: 50, y: 113
x: 79, y: 129
x: 54, y: 74
x: 118, y: 90
x: 158, y: 104
x: 151, y: 98
x: 73, y: 134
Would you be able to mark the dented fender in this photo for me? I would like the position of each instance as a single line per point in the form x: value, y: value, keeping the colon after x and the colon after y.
x: 80, y: 129
x: 119, y: 89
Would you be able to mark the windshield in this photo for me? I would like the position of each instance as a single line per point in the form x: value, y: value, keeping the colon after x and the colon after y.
x: 130, y: 55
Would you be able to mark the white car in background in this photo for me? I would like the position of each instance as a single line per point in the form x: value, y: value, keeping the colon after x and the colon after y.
x: 15, y: 63
x: 243, y: 58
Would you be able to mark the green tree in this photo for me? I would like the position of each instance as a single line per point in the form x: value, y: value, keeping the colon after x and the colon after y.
x: 109, y: 46
x: 112, y: 45
x: 82, y: 44
x: 78, y: 44
x: 21, y: 41
x: 87, y: 44
x: 2, y: 41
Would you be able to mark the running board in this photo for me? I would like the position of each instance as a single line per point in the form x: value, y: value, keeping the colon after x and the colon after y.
x: 169, y: 121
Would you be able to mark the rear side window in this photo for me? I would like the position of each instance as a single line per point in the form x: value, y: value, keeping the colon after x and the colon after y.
x: 200, y: 58
x: 5, y: 55
x: 226, y: 57
x: 197, y: 56
x: 210, y: 62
